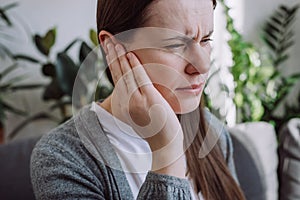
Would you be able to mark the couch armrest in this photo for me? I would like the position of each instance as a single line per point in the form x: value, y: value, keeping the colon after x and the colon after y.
x: 289, y: 161
x: 256, y: 160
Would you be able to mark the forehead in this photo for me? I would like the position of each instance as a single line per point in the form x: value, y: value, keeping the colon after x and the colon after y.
x: 185, y: 16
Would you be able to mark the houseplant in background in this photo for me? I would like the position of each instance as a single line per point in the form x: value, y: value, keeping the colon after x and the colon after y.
x: 62, y: 72
x: 260, y: 86
x: 260, y: 89
x: 9, y: 82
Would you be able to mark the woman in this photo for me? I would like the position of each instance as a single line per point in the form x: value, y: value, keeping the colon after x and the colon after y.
x: 158, y: 56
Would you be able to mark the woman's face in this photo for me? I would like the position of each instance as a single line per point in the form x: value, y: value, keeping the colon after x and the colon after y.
x: 176, y: 52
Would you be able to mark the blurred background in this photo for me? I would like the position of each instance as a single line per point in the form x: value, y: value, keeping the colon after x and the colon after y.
x: 237, y: 70
x: 254, y: 86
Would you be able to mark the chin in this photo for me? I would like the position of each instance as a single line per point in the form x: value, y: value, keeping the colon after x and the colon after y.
x: 187, y: 105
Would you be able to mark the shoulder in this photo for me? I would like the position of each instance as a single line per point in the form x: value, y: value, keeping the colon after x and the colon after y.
x: 60, y: 164
x: 62, y: 141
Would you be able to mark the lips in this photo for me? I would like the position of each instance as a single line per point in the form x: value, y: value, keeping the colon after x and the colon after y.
x: 193, y: 89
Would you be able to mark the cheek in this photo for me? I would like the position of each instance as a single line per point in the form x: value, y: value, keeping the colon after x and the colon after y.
x: 169, y: 96
x: 161, y: 67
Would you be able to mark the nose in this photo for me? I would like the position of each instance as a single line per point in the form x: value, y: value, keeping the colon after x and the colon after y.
x: 198, y: 59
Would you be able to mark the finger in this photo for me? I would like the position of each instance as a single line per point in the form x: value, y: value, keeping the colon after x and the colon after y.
x: 125, y: 66
x: 141, y: 77
x: 128, y: 76
x: 113, y: 63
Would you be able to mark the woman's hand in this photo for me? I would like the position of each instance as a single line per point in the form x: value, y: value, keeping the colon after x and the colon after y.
x: 138, y: 103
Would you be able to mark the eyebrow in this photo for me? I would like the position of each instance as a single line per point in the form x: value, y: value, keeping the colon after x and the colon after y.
x: 186, y: 39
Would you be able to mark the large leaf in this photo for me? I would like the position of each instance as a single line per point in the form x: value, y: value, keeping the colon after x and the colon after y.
x: 84, y: 51
x: 66, y: 72
x: 88, y: 59
x: 44, y: 43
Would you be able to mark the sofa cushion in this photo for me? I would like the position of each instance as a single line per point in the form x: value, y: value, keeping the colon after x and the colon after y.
x: 289, y: 159
x: 15, y: 180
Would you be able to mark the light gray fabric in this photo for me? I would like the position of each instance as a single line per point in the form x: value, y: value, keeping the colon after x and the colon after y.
x: 63, y: 168
x: 256, y: 159
x: 289, y: 156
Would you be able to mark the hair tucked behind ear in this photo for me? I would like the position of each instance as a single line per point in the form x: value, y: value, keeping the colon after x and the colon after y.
x: 210, y: 174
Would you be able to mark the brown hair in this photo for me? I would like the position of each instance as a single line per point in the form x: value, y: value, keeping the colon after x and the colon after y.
x: 209, y: 174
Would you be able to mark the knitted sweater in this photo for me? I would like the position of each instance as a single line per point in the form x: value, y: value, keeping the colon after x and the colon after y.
x: 77, y: 161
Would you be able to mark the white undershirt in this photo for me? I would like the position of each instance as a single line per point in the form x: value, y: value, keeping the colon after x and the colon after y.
x: 133, y: 152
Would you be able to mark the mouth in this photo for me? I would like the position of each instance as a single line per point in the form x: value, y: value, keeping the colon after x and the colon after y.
x: 192, y: 89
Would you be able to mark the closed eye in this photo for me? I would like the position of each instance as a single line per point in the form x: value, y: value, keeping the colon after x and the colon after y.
x: 206, y: 40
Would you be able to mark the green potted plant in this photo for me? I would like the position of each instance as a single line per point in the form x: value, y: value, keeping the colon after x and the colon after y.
x: 260, y: 87
x: 9, y: 82
x: 62, y: 72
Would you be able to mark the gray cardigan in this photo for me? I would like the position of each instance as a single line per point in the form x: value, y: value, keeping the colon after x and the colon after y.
x: 77, y: 161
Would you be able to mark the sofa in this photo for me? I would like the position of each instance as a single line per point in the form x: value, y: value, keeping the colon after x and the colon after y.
x: 256, y: 159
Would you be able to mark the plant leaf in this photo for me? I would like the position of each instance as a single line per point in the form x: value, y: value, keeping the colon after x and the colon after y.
x: 273, y: 27
x: 10, y: 108
x: 84, y: 51
x: 70, y: 45
x: 286, y: 46
x: 45, y: 43
x: 270, y: 43
x: 94, y: 37
x: 27, y: 58
x: 53, y: 91
x: 270, y: 33
x: 48, y: 69
x: 5, y: 17
x: 88, y: 59
x: 276, y: 20
x: 27, y: 87
x: 8, y: 70
x: 66, y: 72
x: 281, y: 60
x: 10, y: 6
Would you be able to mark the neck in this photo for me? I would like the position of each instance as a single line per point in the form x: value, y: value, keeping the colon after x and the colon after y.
x: 106, y: 104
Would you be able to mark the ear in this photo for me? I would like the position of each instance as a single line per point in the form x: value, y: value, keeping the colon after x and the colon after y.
x: 105, y: 38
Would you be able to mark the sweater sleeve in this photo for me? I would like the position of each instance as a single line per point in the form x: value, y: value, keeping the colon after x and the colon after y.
x: 57, y: 173
x: 160, y: 186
